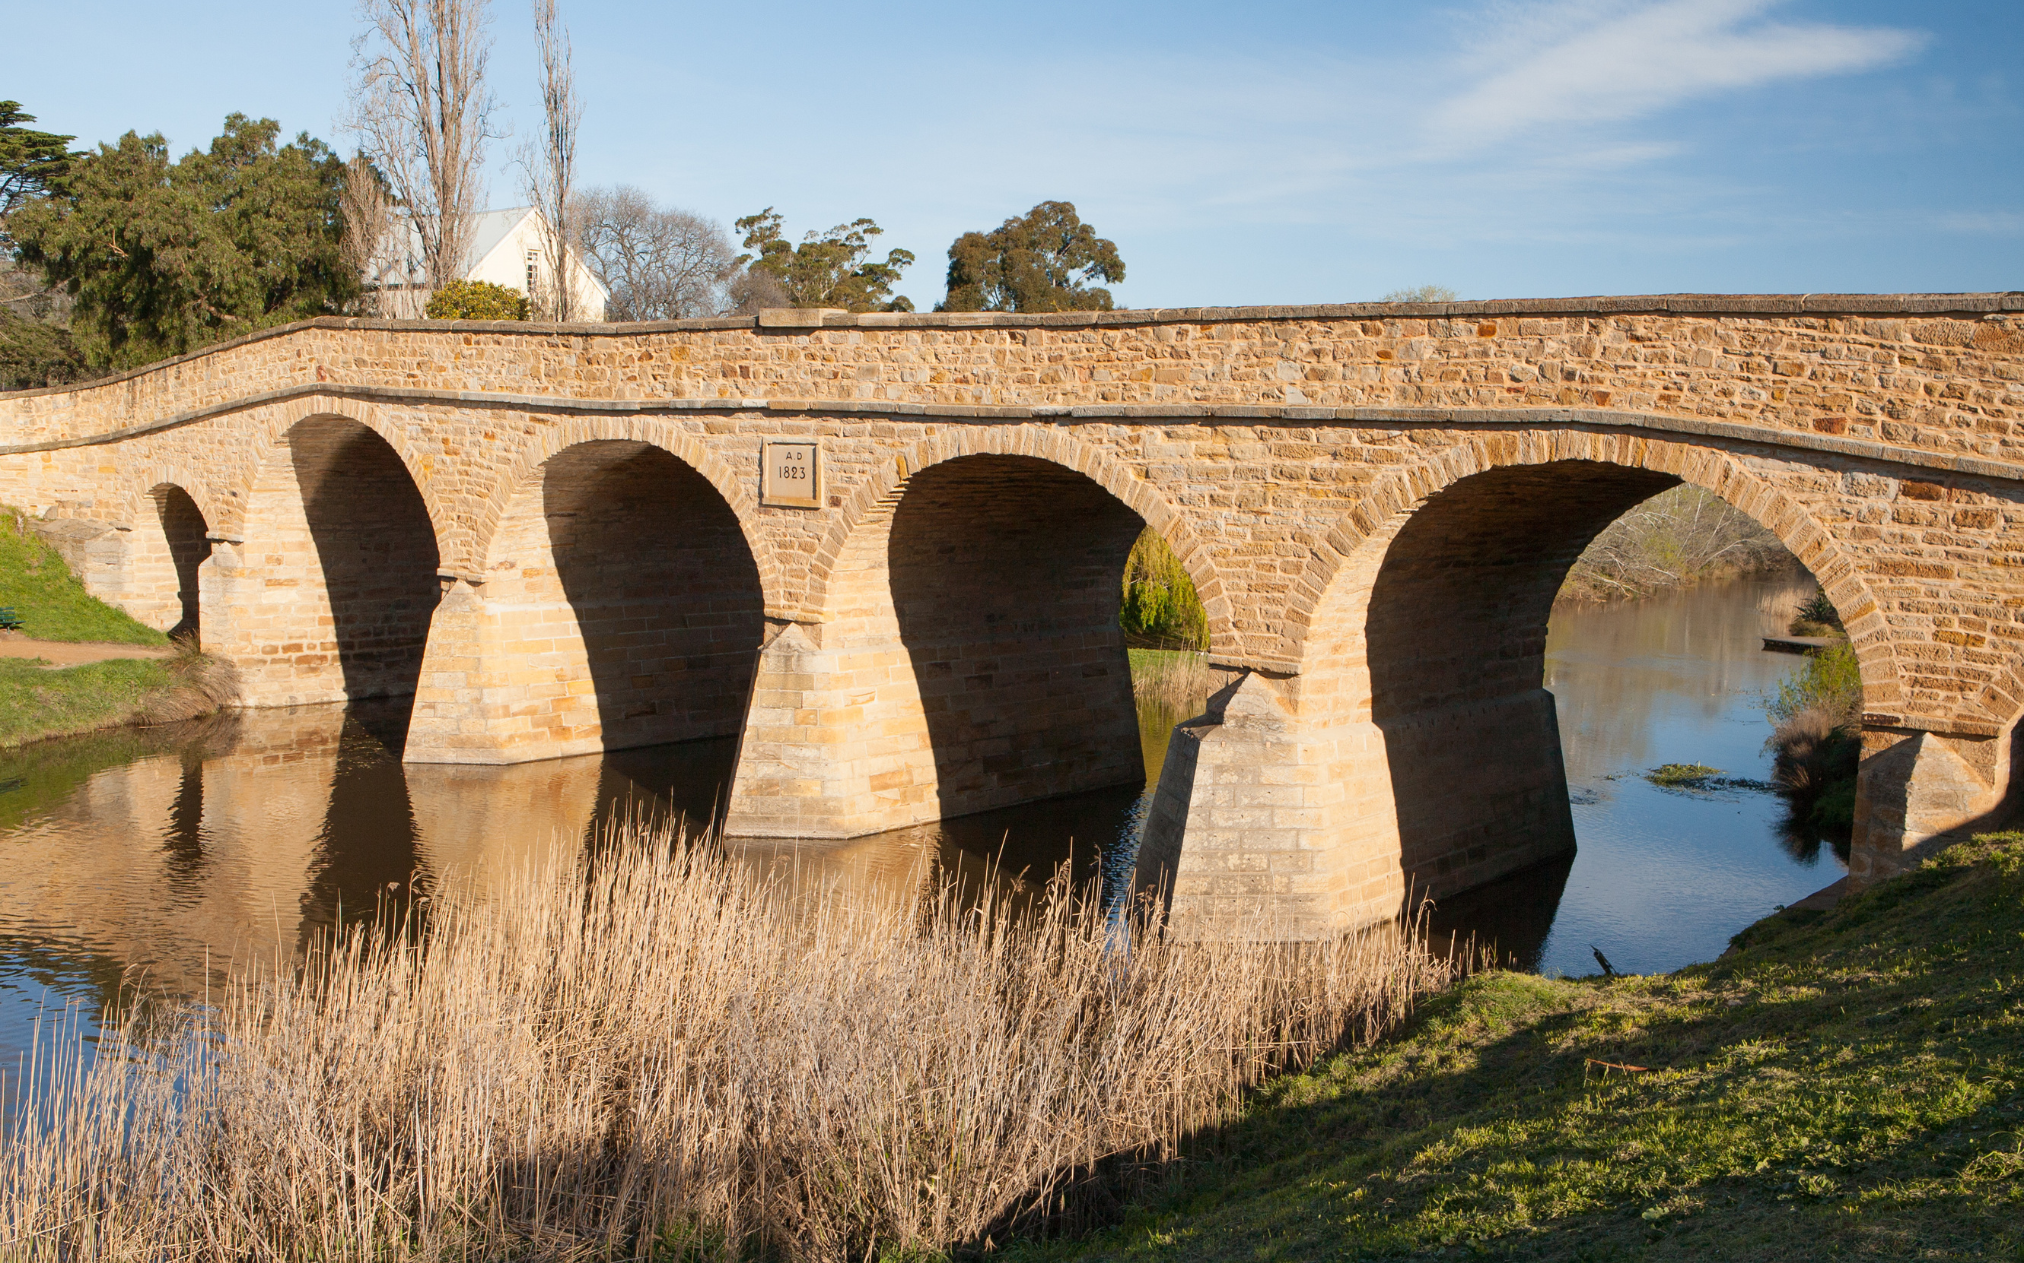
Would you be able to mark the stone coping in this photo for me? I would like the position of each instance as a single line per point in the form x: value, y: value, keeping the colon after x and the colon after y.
x: 1402, y: 418
x: 803, y: 319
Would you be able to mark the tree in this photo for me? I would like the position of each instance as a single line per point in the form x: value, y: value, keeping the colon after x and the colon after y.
x: 30, y: 161
x: 658, y: 263
x: 1043, y: 260
x: 160, y: 258
x: 36, y: 347
x: 830, y: 269
x: 476, y: 300
x: 1421, y: 294
x: 374, y: 241
x: 550, y: 167
x: 421, y: 111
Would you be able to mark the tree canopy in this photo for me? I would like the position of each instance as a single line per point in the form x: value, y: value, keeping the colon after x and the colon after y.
x: 831, y: 269
x: 1044, y: 260
x: 162, y: 257
x: 30, y: 161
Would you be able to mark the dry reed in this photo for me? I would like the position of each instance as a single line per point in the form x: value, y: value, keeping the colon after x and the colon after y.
x: 651, y: 1054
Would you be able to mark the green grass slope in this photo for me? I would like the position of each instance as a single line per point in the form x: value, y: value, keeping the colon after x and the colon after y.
x: 36, y: 702
x: 1844, y: 1085
x: 52, y: 604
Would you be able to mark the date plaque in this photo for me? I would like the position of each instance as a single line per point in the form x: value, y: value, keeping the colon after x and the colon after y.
x: 790, y: 473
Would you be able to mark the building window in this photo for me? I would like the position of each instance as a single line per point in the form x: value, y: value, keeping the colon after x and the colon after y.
x: 533, y: 262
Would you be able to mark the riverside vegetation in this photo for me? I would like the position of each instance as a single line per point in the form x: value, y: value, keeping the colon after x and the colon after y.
x: 648, y: 1052
x: 1817, y: 725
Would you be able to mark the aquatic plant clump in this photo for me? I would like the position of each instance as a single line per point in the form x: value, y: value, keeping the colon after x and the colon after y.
x: 1689, y: 775
x: 654, y: 1053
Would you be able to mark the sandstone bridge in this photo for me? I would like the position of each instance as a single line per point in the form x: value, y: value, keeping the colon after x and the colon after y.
x: 885, y: 549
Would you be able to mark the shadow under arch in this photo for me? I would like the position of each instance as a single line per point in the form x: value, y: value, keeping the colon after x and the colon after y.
x: 343, y: 544
x: 505, y: 502
x: 656, y: 573
x: 1005, y: 578
x: 174, y: 540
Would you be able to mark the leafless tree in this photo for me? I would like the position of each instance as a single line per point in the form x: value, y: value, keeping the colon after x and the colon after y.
x: 550, y: 166
x: 659, y: 263
x: 374, y: 246
x: 422, y: 113
x: 1677, y: 537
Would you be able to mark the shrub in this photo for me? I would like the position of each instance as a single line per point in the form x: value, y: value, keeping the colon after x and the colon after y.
x: 477, y: 300
x: 1817, y: 617
x: 1830, y: 682
x: 1678, y: 537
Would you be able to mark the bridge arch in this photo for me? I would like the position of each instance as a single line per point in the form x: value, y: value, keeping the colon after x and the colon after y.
x: 618, y: 604
x: 1425, y: 652
x: 1047, y: 443
x: 1343, y: 560
x: 329, y: 592
x: 964, y: 652
x: 534, y: 453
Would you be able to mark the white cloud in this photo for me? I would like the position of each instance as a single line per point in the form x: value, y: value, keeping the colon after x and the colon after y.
x: 1586, y: 63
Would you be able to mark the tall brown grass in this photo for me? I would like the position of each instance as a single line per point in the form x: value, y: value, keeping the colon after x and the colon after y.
x: 651, y: 1054
x: 1175, y: 679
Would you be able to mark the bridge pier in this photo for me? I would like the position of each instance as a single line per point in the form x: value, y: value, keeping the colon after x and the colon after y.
x: 1920, y: 790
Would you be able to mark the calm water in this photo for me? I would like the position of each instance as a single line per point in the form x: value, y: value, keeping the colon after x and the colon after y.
x: 1661, y: 877
x: 166, y: 855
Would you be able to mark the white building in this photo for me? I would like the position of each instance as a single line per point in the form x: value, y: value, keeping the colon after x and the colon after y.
x: 507, y: 248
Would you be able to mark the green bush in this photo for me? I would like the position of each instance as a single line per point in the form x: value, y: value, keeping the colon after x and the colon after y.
x: 1831, y: 681
x: 477, y: 300
x: 1161, y: 609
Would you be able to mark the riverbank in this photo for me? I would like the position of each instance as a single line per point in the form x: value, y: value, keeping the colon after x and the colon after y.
x: 41, y: 698
x: 1843, y: 1084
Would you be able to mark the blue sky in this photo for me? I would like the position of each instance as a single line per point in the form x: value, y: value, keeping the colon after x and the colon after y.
x: 1256, y: 153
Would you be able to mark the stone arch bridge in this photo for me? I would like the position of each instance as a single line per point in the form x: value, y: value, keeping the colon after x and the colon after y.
x: 556, y: 538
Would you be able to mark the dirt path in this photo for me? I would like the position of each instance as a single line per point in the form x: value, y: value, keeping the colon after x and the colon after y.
x: 61, y: 654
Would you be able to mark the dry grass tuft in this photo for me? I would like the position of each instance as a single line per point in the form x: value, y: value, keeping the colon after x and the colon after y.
x: 650, y: 1054
x: 203, y: 686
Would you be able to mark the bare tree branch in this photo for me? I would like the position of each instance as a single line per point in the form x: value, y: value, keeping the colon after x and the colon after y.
x: 658, y: 263
x: 550, y: 167
x: 422, y: 114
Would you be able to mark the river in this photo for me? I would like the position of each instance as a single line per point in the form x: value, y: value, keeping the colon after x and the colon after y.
x: 163, y: 856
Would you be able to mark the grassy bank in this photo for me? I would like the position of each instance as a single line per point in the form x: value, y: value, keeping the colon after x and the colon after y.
x: 52, y: 604
x: 1844, y: 1085
x: 36, y: 702
x: 652, y: 1055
